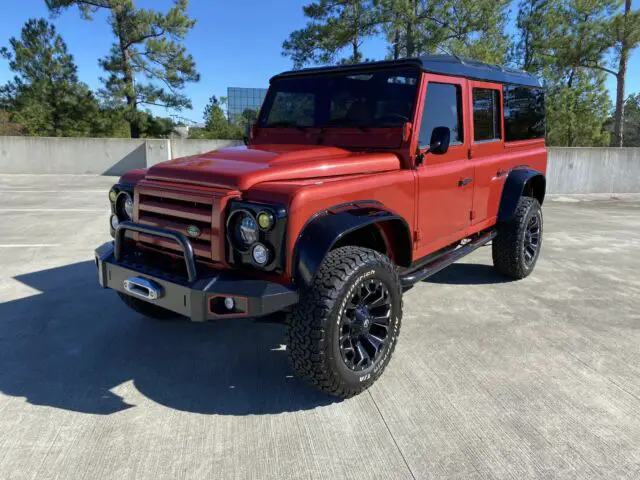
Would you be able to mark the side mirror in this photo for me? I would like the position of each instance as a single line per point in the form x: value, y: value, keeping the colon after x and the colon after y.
x: 440, y: 140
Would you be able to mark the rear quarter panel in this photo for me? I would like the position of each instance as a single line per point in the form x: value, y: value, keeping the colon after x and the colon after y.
x: 530, y: 154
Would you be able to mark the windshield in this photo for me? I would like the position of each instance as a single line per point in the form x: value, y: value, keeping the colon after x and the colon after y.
x: 383, y: 98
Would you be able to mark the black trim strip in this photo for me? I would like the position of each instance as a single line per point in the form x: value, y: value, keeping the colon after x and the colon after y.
x: 447, y: 258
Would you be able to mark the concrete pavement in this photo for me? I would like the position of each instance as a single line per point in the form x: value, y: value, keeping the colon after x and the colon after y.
x: 491, y: 379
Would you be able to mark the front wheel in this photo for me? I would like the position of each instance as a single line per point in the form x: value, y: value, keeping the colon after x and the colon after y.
x: 341, y: 335
x: 517, y: 247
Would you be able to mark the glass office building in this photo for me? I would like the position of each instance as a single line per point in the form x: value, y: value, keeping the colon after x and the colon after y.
x: 241, y: 99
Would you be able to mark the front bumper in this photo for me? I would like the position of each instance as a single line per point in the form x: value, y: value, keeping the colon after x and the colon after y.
x: 200, y: 299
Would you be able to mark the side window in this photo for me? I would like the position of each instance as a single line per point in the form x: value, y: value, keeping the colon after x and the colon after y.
x: 442, y: 108
x: 523, y: 113
x: 486, y: 115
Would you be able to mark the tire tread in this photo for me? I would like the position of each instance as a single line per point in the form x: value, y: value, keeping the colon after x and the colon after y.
x: 306, y: 325
x: 505, y: 249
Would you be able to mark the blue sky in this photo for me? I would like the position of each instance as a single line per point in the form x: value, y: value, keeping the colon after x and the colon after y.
x: 235, y: 44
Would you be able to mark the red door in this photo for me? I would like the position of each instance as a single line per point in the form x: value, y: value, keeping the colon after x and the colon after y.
x: 487, y: 149
x: 445, y: 182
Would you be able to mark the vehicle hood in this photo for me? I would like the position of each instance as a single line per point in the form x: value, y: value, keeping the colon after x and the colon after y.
x: 242, y: 167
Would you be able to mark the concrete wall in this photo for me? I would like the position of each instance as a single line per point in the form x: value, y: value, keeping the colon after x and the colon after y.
x: 571, y: 170
x: 184, y: 148
x: 104, y: 156
x: 593, y: 170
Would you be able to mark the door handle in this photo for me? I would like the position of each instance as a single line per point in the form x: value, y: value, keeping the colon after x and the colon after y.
x: 463, y: 182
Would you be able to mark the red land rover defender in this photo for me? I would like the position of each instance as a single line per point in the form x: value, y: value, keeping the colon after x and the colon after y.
x: 357, y: 182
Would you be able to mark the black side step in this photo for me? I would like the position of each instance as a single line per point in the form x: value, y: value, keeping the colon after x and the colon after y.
x: 410, y: 278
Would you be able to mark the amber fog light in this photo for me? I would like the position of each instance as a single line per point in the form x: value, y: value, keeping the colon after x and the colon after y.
x: 265, y: 220
x: 113, y: 195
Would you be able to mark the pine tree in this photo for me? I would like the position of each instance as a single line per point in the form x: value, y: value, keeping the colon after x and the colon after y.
x: 45, y: 96
x: 626, y: 37
x: 577, y: 105
x: 564, y: 42
x: 632, y: 121
x: 147, y: 65
x: 216, y: 124
x: 598, y: 35
x: 334, y: 25
x: 473, y: 28
x: 530, y: 24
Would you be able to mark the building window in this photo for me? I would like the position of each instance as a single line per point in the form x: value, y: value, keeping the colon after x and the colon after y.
x: 442, y: 108
x: 242, y: 100
x: 486, y: 115
x: 523, y: 113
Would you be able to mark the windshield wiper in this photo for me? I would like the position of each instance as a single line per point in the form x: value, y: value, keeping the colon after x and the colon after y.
x: 285, y: 123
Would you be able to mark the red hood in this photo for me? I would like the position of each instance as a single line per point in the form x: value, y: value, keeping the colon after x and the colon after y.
x: 242, y: 167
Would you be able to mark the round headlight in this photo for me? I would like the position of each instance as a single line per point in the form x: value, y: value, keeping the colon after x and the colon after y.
x: 260, y: 254
x: 124, y: 206
x: 114, y: 222
x: 128, y: 207
x: 265, y: 220
x: 245, y: 230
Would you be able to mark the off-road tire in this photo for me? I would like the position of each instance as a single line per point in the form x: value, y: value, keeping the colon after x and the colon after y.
x: 508, y: 246
x: 147, y: 309
x: 312, y: 328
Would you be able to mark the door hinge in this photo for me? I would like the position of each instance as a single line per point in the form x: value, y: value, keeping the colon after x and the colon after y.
x: 417, y: 235
x: 469, y: 154
x: 472, y: 215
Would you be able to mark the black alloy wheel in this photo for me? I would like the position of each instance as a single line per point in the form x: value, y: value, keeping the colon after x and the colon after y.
x: 517, y: 247
x: 532, y: 236
x: 341, y: 335
x: 364, y: 326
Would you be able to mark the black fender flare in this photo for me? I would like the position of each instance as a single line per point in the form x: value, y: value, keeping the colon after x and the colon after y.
x: 517, y: 181
x: 328, y: 227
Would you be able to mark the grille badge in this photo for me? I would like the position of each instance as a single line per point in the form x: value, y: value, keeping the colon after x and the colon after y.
x: 193, y: 231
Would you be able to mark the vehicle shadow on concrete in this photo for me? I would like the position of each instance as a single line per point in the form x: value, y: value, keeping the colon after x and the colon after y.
x: 74, y: 345
x: 468, y: 274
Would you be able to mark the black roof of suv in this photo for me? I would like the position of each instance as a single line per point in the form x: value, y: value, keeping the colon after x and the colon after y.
x: 440, y: 64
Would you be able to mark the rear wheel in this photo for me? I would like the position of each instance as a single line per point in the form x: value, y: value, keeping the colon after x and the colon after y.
x: 147, y: 309
x: 517, y: 247
x: 341, y: 335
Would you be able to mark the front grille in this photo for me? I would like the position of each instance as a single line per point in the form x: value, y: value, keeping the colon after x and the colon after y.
x: 174, y: 208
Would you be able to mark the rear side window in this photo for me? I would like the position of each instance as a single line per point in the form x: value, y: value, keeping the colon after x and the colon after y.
x: 442, y: 108
x: 523, y: 113
x: 486, y: 115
